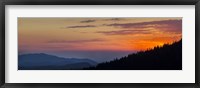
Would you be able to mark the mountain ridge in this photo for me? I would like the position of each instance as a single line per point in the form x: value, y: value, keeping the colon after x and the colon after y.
x: 42, y: 61
x: 166, y: 57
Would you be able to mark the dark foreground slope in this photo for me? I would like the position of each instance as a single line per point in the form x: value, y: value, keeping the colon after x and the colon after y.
x: 167, y: 57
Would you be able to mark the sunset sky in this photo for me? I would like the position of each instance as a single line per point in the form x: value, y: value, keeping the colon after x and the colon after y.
x: 100, y: 39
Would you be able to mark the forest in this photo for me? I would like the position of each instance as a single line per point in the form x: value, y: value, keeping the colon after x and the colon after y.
x: 166, y: 57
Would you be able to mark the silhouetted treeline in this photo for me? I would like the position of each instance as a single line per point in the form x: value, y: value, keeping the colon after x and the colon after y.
x: 167, y: 57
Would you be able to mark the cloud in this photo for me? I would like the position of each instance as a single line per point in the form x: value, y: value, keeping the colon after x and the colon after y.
x: 125, y: 32
x: 78, y: 41
x: 84, y: 26
x: 87, y: 21
x: 164, y: 25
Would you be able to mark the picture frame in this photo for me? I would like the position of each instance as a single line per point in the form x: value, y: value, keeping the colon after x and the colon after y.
x: 98, y: 2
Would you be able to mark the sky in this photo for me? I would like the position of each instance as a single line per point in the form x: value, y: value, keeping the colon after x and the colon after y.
x: 97, y: 38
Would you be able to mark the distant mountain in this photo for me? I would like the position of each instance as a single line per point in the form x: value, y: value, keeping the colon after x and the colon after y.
x: 167, y: 57
x: 43, y: 61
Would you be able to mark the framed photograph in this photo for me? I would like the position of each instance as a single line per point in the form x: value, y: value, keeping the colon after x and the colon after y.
x: 99, y: 43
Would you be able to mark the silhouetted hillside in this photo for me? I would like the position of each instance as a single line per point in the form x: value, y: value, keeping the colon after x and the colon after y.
x: 43, y: 61
x: 167, y: 57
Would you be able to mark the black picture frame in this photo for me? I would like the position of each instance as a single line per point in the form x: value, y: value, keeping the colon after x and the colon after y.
x: 99, y: 2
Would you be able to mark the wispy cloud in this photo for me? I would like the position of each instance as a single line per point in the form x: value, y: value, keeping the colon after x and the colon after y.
x: 164, y: 25
x: 84, y: 26
x: 87, y: 21
x: 77, y: 41
x: 125, y: 32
